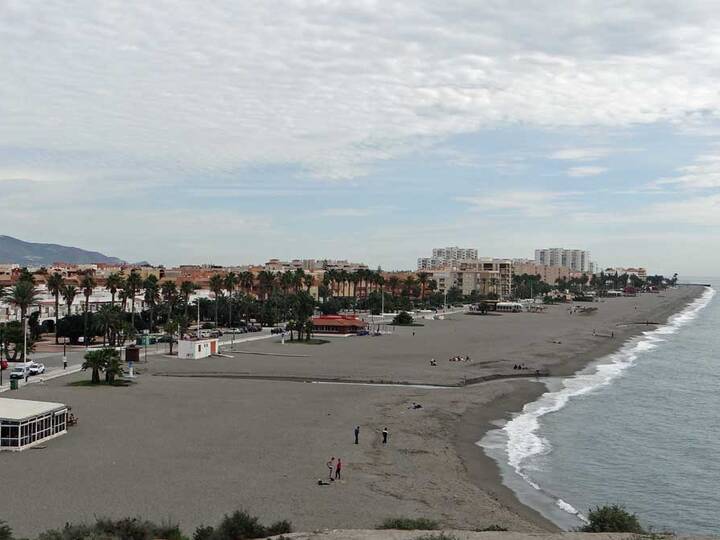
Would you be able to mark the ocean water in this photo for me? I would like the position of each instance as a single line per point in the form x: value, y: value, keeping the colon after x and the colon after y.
x: 640, y: 427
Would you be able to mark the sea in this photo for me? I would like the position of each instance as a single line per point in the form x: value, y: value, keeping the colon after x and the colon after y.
x: 639, y: 428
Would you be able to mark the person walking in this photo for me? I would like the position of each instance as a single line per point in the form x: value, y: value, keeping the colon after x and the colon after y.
x: 64, y: 362
x: 331, y: 466
x: 385, y: 435
x: 357, y: 434
x: 338, y: 469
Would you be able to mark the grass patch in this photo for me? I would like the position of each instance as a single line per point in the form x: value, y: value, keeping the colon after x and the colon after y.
x: 409, y: 524
x: 101, y: 383
x: 411, y: 324
x: 311, y: 341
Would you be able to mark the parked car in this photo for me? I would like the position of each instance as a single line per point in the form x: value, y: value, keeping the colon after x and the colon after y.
x: 277, y: 330
x: 363, y: 333
x: 19, y: 372
x: 37, y: 368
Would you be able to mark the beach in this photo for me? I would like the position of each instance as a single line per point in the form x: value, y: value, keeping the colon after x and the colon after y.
x: 192, y: 440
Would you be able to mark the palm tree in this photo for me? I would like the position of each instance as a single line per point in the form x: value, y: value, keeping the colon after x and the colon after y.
x: 26, y: 275
x: 169, y: 294
x: 114, y: 282
x: 55, y: 284
x: 394, y: 283
x: 133, y: 283
x: 309, y: 281
x: 266, y: 280
x: 298, y: 278
x: 69, y: 292
x: 186, y: 289
x: 217, y: 283
x: 247, y: 281
x: 231, y: 282
x: 23, y: 295
x: 87, y: 283
x: 409, y: 284
x: 286, y: 281
x: 152, y: 296
x: 423, y: 279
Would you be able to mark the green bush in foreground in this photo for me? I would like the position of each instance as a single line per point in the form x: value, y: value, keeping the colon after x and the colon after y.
x: 410, y: 524
x: 612, y: 518
x: 5, y: 531
x: 241, y: 525
x: 237, y: 526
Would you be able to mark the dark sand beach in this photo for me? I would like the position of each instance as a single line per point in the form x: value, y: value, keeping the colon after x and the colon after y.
x: 192, y: 440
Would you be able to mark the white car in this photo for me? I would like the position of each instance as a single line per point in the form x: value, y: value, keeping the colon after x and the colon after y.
x: 19, y: 372
x: 37, y: 368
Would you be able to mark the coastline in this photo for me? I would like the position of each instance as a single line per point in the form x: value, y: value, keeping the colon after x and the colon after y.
x: 478, y: 420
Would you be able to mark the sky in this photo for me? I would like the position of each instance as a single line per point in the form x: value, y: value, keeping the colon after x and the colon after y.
x: 231, y: 132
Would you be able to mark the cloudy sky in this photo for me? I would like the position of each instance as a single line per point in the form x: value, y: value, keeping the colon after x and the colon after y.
x: 232, y: 132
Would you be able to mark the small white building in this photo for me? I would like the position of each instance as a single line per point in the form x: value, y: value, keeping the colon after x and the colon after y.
x: 197, y: 348
x: 26, y: 423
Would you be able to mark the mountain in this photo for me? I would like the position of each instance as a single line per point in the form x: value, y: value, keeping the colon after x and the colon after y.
x: 16, y: 251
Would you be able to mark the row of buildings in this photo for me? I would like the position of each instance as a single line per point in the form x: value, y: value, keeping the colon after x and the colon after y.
x: 448, y: 267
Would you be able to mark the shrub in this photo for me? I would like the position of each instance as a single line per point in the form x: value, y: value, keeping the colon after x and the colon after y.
x: 409, y: 524
x: 491, y: 528
x: 612, y: 518
x: 121, y: 529
x: 439, y: 536
x: 5, y: 531
x: 403, y: 318
x: 240, y: 526
x: 203, y: 533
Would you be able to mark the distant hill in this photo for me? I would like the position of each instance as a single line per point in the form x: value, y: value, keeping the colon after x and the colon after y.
x: 16, y: 251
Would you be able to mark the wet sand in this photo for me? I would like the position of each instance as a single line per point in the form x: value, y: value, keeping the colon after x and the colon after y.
x: 192, y: 448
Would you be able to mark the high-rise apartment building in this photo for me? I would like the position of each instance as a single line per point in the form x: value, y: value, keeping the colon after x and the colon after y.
x: 576, y: 260
x: 447, y: 256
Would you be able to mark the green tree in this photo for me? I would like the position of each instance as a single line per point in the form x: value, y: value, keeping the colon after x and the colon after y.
x: 217, y: 284
x: 96, y: 361
x: 23, y: 295
x: 69, y: 293
x: 266, y: 281
x: 55, y: 284
x: 232, y: 280
x: 87, y: 284
x: 133, y: 283
x: 151, y: 297
x: 113, y: 283
x: 186, y: 289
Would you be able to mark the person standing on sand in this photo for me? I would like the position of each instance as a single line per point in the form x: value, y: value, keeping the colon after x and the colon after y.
x: 331, y: 465
x: 338, y: 469
x: 385, y: 435
x: 357, y: 434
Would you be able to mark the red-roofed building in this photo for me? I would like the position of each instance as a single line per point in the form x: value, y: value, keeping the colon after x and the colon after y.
x: 338, y: 324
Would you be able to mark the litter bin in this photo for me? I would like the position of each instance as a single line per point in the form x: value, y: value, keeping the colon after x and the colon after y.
x: 13, y: 384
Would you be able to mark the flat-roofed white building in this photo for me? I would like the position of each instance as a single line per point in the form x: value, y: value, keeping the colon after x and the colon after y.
x: 25, y: 423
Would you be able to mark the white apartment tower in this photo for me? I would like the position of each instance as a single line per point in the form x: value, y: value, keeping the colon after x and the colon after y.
x: 447, y: 256
x: 577, y: 260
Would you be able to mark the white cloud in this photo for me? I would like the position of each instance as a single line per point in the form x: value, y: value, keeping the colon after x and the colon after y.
x: 347, y: 212
x: 586, y: 171
x: 526, y: 203
x: 336, y: 86
x: 704, y: 173
x: 581, y: 154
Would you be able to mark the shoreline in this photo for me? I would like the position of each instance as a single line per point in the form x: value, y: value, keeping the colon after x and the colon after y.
x: 475, y: 423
